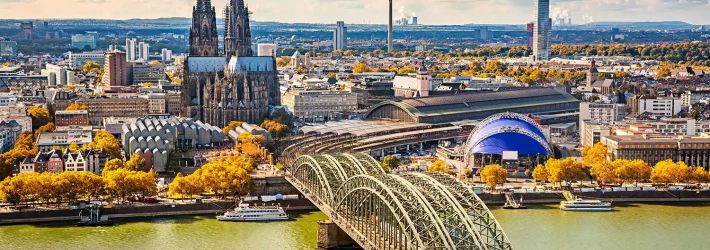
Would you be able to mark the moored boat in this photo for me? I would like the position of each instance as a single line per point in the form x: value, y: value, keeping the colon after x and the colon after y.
x: 244, y: 212
x: 585, y: 205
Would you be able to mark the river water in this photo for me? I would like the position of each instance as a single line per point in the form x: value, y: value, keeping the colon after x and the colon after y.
x: 540, y: 227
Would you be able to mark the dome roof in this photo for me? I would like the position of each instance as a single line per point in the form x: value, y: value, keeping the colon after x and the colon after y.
x: 508, y: 132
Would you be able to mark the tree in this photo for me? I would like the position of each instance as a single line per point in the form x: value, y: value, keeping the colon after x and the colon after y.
x: 390, y: 162
x: 76, y: 106
x: 90, y: 66
x: 49, y: 127
x: 670, y: 172
x: 567, y: 170
x: 595, y: 154
x: 604, y: 172
x: 274, y: 127
x: 104, y: 141
x: 361, y: 68
x: 73, y: 148
x: 136, y: 163
x: 494, y: 175
x: 439, y: 166
x: 699, y: 175
x: 633, y: 171
x: 113, y: 164
x: 231, y: 126
x: 540, y: 174
x: 40, y: 116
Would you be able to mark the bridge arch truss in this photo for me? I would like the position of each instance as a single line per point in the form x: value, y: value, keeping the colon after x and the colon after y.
x: 387, y: 211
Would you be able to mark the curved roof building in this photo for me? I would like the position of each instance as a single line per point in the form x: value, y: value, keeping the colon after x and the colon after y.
x: 508, y: 132
x: 475, y: 106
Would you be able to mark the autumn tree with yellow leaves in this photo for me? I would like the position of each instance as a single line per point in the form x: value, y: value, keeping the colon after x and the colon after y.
x: 494, y: 175
x: 76, y: 106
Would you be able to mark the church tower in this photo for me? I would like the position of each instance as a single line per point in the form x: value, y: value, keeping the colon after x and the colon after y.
x: 203, y: 33
x: 237, y: 33
x: 592, y: 74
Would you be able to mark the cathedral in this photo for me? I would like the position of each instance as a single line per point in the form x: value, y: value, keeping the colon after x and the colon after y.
x: 234, y: 86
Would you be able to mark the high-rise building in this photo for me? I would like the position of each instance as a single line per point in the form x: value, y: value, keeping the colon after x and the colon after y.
x: 543, y: 31
x: 166, y: 55
x: 340, y: 36
x: 144, y: 51
x: 203, y: 33
x: 266, y: 49
x: 26, y: 31
x: 389, y: 30
x: 115, y: 69
x: 131, y: 49
x: 531, y: 31
x: 237, y: 36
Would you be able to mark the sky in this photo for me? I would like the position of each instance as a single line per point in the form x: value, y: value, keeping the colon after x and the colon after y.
x: 373, y: 11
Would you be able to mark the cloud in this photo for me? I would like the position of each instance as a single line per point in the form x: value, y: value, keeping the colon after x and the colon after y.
x: 372, y: 11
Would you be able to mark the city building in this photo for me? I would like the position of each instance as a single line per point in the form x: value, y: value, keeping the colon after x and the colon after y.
x: 27, y: 28
x: 140, y: 72
x: 12, y: 110
x: 266, y: 49
x: 144, y: 51
x: 77, y: 60
x: 319, y: 105
x: 59, y: 75
x: 166, y: 55
x: 659, y: 106
x: 592, y: 132
x: 71, y: 118
x: 409, y: 86
x: 131, y: 49
x: 156, y: 103
x: 173, y: 100
x: 116, y: 69
x: 340, y: 36
x: 83, y: 41
x: 245, y: 88
x: 9, y: 131
x: 103, y: 106
x: 48, y: 141
x: 542, y: 31
x: 692, y: 97
x: 604, y: 113
x: 693, y: 150
x: 157, y: 139
x: 475, y: 106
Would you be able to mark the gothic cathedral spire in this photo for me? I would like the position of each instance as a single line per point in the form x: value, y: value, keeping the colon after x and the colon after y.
x: 203, y: 33
x: 237, y: 35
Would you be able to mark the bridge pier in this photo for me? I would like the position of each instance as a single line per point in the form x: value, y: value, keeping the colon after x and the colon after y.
x: 330, y: 236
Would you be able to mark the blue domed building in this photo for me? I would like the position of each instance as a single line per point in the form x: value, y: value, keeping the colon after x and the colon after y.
x: 509, y: 139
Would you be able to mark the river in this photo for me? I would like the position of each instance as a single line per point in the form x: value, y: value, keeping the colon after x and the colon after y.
x: 540, y: 227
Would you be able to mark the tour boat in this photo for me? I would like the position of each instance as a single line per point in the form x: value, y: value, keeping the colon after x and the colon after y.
x: 244, y: 212
x: 585, y: 205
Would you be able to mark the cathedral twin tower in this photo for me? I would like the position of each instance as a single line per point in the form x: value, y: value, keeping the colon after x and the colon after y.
x: 236, y: 86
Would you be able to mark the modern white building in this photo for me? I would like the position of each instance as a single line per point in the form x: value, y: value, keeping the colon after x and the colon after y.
x: 542, y: 31
x: 603, y: 113
x: 166, y: 55
x: 340, y: 36
x: 660, y: 106
x: 144, y: 51
x: 131, y: 49
x: 77, y: 60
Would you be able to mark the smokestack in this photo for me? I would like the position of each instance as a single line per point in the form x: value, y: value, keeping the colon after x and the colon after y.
x: 389, y: 31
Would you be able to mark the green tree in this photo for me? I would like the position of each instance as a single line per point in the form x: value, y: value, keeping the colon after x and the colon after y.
x: 390, y: 162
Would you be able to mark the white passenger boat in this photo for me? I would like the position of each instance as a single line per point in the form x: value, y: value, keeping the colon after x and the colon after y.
x: 244, y: 212
x: 585, y: 205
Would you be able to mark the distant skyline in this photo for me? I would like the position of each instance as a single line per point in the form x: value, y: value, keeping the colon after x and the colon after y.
x: 372, y: 11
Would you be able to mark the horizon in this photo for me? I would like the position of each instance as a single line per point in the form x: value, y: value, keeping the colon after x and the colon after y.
x: 442, y: 12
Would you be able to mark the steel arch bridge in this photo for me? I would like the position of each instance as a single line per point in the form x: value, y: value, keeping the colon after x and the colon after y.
x: 388, y: 211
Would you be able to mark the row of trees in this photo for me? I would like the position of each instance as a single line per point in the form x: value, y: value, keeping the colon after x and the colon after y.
x: 595, y: 166
x: 225, y: 176
x: 72, y: 186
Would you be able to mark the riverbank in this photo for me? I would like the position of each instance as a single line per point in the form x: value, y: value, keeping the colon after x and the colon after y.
x: 625, y: 196
x: 215, y: 207
x: 140, y: 211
